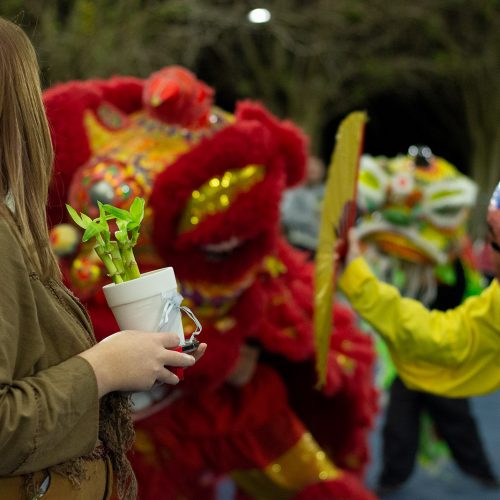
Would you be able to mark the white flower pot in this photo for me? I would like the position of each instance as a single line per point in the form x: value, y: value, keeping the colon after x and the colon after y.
x: 140, y: 304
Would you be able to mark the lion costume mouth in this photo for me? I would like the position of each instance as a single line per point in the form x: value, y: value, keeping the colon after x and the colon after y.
x: 222, y: 250
x: 216, y: 197
x: 403, y: 242
x: 219, y: 204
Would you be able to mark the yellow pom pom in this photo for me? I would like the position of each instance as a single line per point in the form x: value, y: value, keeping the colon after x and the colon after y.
x: 64, y: 239
x: 85, y: 271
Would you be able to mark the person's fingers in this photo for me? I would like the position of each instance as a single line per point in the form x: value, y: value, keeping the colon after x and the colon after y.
x: 354, y: 250
x: 200, y: 351
x: 167, y: 377
x: 353, y: 240
x: 169, y: 340
x: 179, y: 359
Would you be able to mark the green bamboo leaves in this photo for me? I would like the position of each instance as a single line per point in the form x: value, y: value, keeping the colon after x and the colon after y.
x: 116, y: 254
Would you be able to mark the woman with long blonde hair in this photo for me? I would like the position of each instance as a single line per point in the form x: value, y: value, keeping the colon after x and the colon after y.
x: 64, y: 423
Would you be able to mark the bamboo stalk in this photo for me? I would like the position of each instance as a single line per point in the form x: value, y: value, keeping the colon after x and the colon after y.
x: 109, y: 264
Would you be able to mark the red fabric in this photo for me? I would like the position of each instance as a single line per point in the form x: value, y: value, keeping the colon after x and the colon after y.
x: 292, y: 141
x: 229, y: 429
x: 65, y: 105
x: 215, y: 432
x: 213, y: 428
x: 236, y: 146
x: 174, y: 95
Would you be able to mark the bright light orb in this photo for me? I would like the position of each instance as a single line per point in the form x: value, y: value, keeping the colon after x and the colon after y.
x: 259, y: 16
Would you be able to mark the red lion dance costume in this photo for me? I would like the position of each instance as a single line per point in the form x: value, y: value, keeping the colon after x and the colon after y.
x: 213, y: 183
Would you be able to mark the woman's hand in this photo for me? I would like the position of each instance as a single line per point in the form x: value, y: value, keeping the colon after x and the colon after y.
x: 354, y: 250
x: 200, y: 351
x: 346, y: 256
x: 135, y: 360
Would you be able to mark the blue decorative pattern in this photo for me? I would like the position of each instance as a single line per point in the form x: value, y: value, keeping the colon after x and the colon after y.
x: 495, y: 199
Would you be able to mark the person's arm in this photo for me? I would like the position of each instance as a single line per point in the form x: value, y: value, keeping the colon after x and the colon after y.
x: 295, y: 210
x: 46, y: 415
x: 47, y: 418
x: 453, y: 353
x: 50, y: 414
x: 300, y: 218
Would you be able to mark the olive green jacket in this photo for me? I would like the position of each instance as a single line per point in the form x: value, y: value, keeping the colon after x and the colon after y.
x: 49, y: 408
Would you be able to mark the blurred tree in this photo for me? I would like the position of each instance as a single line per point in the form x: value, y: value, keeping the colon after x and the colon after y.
x: 306, y: 63
x: 468, y: 59
x: 450, y: 51
x: 313, y: 61
x: 98, y: 38
x: 300, y: 63
x: 320, y: 59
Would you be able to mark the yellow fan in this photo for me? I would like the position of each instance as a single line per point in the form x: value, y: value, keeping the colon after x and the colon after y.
x: 338, y: 215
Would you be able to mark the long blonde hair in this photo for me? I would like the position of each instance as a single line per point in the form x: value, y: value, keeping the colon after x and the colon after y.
x: 26, y: 153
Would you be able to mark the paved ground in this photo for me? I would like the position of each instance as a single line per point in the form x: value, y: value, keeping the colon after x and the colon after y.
x: 449, y: 482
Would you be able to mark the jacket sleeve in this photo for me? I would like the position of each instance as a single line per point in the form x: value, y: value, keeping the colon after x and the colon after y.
x: 453, y: 353
x: 47, y: 416
x: 295, y: 214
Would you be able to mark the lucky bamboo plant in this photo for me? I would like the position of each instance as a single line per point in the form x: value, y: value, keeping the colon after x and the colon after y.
x: 116, y: 254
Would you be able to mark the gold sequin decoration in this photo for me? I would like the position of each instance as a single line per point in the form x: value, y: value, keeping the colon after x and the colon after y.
x: 347, y: 364
x: 142, y: 140
x: 289, y: 332
x: 217, y: 194
x: 346, y: 345
x: 274, y: 266
x: 256, y: 484
x: 225, y: 324
x: 144, y: 445
x: 303, y: 464
x: 353, y: 461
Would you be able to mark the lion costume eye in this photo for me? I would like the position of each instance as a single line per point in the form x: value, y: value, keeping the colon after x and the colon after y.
x: 373, y: 182
x: 218, y: 193
x: 446, y: 202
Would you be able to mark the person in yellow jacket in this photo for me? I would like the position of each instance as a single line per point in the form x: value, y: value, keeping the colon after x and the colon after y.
x: 453, y: 353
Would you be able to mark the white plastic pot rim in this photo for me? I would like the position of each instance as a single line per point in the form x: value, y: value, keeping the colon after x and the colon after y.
x: 147, y: 285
